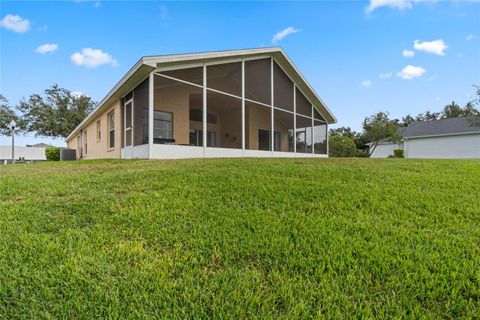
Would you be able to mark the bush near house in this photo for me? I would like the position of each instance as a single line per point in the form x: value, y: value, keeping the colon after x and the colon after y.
x: 52, y: 153
x: 341, y: 146
x: 398, y: 153
x: 241, y: 238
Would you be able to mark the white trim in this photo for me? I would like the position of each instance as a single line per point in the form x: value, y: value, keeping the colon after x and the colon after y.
x: 294, y: 119
x: 179, y: 80
x: 272, y: 108
x: 257, y: 57
x: 151, y: 108
x: 204, y: 122
x: 178, y: 67
x: 168, y: 151
x: 134, y: 87
x: 256, y: 102
x: 313, y: 132
x: 216, y: 152
x: 225, y: 61
x: 326, y: 137
x: 243, y: 104
x: 225, y: 93
x: 443, y: 135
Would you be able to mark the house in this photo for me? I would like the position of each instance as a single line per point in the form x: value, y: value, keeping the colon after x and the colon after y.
x: 446, y: 138
x: 251, y: 103
x: 38, y: 145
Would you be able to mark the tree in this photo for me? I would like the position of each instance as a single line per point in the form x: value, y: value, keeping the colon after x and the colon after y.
x: 475, y: 102
x: 7, y: 114
x: 378, y: 127
x: 452, y: 110
x: 357, y: 138
x: 407, y: 120
x: 428, y: 116
x: 341, y: 146
x: 56, y: 114
x: 343, y: 131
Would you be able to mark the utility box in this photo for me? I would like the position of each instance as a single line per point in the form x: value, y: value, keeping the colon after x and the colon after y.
x: 68, y: 154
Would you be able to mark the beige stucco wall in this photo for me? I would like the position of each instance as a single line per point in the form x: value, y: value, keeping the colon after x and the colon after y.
x: 98, y: 149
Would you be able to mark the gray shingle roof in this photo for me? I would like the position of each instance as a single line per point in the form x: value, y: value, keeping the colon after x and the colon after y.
x: 440, y: 127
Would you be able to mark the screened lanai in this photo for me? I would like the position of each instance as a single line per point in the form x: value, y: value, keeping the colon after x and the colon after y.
x: 221, y: 108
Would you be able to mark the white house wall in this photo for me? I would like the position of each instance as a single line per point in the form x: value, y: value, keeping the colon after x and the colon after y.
x: 166, y: 151
x: 458, y: 146
x: 385, y: 150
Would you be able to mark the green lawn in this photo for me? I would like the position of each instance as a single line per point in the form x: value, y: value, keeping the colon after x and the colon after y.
x: 242, y: 238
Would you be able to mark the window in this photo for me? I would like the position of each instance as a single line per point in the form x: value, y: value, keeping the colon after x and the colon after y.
x: 99, y: 131
x: 111, y: 130
x: 257, y: 117
x: 196, y: 137
x: 211, y: 139
x: 184, y: 105
x: 227, y: 131
x: 304, y: 135
x: 163, y: 127
x: 85, y: 144
x: 320, y: 137
x: 283, y: 122
x: 277, y: 139
x: 263, y: 139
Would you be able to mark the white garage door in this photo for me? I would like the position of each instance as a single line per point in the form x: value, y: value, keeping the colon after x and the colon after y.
x: 461, y: 146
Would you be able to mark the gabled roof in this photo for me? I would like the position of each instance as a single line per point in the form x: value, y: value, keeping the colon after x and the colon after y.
x: 440, y: 127
x: 149, y: 63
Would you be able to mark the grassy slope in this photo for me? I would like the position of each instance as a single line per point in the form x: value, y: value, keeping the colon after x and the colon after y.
x: 244, y: 238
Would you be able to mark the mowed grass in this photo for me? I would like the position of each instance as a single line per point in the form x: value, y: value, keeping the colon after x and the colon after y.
x: 241, y: 238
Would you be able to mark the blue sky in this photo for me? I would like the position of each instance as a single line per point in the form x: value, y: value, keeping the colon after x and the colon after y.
x: 352, y: 52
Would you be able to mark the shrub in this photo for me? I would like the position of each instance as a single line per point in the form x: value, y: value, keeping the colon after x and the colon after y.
x: 398, y: 153
x: 341, y: 146
x: 362, y: 153
x: 52, y: 153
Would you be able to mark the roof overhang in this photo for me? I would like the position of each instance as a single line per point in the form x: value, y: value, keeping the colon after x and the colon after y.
x: 148, y: 64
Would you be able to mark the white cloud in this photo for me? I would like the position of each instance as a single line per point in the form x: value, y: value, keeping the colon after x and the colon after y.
x: 282, y: 34
x: 410, y: 72
x: 366, y: 83
x: 15, y: 23
x: 470, y: 37
x: 92, y: 58
x: 408, y: 53
x: 395, y: 4
x: 437, y: 47
x: 46, y: 48
x: 385, y: 75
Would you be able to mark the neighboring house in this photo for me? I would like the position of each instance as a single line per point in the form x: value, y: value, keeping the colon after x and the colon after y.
x: 28, y: 153
x: 446, y: 138
x: 236, y: 103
